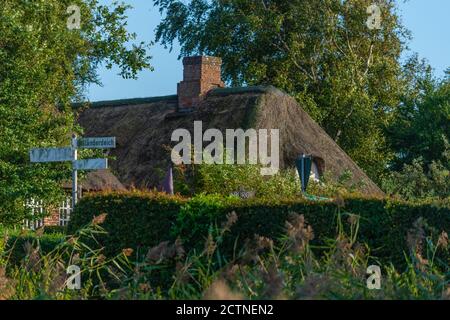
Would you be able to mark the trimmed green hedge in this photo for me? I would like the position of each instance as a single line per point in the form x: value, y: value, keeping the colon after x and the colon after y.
x: 383, y: 225
x: 55, y: 229
x: 134, y: 220
x: 141, y: 220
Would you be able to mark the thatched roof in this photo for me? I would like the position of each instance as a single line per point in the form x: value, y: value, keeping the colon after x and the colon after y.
x: 143, y: 128
x: 99, y: 180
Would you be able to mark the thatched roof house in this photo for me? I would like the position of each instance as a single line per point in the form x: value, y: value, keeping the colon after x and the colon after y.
x: 143, y: 127
x: 99, y: 180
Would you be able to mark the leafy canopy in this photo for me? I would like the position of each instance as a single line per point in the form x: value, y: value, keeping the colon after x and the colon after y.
x: 44, y: 65
x: 421, y: 126
x: 346, y: 75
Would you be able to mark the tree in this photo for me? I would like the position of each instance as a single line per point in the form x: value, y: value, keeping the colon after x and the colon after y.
x: 346, y: 75
x: 421, y: 125
x: 420, y: 135
x: 45, y: 62
x: 415, y: 181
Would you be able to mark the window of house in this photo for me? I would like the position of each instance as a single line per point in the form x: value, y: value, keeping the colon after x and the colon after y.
x: 315, y: 173
x: 317, y: 169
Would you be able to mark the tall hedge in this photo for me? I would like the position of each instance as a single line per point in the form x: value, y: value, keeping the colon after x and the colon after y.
x: 134, y: 220
x: 141, y: 220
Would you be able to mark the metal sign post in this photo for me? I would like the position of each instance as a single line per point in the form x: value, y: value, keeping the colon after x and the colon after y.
x: 51, y: 155
x: 71, y: 154
x: 97, y: 143
x: 91, y: 164
x: 74, y: 172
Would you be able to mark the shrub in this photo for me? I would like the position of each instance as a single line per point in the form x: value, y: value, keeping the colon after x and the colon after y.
x: 141, y: 220
x: 414, y: 182
x: 15, y: 246
x: 43, y: 273
x: 226, y: 179
x: 55, y: 229
x: 292, y: 270
x: 384, y: 223
x: 133, y: 219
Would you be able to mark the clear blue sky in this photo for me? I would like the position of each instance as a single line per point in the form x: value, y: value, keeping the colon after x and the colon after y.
x: 428, y: 21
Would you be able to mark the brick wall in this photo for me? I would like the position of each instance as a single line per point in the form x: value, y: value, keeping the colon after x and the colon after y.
x: 200, y: 75
x: 52, y: 219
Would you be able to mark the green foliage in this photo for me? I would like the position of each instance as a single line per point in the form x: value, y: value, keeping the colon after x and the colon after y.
x: 346, y: 76
x: 329, y: 187
x: 413, y: 182
x: 140, y: 221
x: 289, y: 268
x: 384, y: 224
x: 17, y: 243
x: 55, y: 230
x: 227, y: 179
x: 38, y: 266
x: 44, y: 66
x: 246, y: 181
x: 421, y: 123
x: 133, y: 219
x: 420, y: 136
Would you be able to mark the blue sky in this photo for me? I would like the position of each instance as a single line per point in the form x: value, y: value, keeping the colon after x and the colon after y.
x: 427, y: 20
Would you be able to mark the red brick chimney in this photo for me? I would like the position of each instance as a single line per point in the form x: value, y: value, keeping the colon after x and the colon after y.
x: 200, y: 75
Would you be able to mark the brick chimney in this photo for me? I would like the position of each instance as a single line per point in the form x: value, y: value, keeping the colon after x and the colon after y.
x: 200, y: 75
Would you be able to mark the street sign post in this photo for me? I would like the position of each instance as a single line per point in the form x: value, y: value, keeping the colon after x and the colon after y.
x: 40, y: 155
x: 51, y: 155
x: 96, y: 143
x: 91, y: 164
x: 74, y: 172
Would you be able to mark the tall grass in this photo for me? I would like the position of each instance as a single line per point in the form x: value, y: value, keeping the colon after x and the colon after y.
x: 292, y: 269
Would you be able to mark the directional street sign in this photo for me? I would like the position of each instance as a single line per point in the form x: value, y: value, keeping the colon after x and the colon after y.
x: 91, y: 164
x: 97, y: 143
x: 71, y: 154
x: 51, y: 155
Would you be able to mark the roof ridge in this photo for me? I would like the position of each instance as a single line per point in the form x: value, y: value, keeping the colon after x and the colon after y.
x: 124, y: 102
x: 214, y: 93
x: 249, y: 89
